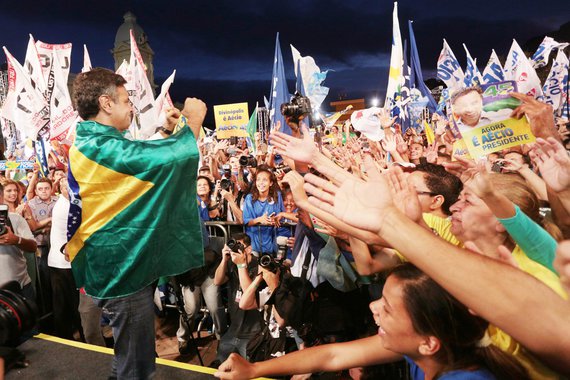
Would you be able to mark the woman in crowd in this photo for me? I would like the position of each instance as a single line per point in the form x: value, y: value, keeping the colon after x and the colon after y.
x: 13, y: 197
x: 260, y: 209
x: 418, y: 321
x: 204, y: 190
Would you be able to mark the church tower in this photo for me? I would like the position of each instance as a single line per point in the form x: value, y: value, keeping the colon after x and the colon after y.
x: 122, y: 49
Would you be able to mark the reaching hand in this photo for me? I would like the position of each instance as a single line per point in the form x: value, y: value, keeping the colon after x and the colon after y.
x: 235, y: 368
x: 296, y: 183
x: 302, y: 150
x: 389, y: 144
x: 431, y: 153
x: 401, y: 145
x: 553, y: 162
x: 358, y: 203
x: 477, y: 180
x: 540, y: 115
x: 385, y: 120
x: 404, y: 194
x: 172, y: 116
x: 195, y: 112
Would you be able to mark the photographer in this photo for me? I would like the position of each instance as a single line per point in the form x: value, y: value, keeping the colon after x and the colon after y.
x: 238, y: 267
x: 16, y: 239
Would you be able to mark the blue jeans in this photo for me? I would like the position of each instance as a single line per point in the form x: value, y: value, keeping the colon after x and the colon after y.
x: 229, y: 344
x: 132, y: 320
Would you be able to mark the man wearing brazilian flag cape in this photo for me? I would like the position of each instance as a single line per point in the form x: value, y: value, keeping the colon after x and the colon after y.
x: 133, y: 215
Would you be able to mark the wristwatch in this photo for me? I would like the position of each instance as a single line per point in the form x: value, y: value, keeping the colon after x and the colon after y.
x: 164, y: 130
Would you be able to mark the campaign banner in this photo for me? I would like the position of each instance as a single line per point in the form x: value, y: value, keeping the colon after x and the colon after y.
x: 231, y: 120
x: 495, y: 130
x: 17, y: 165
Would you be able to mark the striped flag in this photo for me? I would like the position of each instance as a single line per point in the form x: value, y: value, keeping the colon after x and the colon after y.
x: 448, y: 68
x: 494, y: 70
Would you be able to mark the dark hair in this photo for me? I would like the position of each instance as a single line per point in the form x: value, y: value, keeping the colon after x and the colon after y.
x: 210, y: 183
x: 441, y: 182
x: 89, y: 86
x: 273, y: 189
x: 434, y: 312
x: 43, y: 180
x: 243, y: 237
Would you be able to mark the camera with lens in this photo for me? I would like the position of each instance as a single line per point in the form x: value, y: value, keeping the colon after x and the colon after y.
x: 248, y: 161
x: 18, y: 314
x: 498, y: 166
x: 226, y: 184
x: 269, y: 263
x: 297, y: 108
x: 284, y: 168
x: 235, y: 245
x: 226, y: 171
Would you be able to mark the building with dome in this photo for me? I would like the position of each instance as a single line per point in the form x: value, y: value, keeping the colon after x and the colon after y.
x: 122, y: 48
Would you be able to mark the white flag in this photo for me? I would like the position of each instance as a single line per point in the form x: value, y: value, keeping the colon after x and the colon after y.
x: 395, y: 76
x: 62, y: 114
x: 554, y: 86
x: 368, y: 123
x: 448, y: 68
x: 142, y: 97
x: 494, y: 70
x: 540, y: 57
x: 63, y: 52
x: 163, y: 102
x: 519, y: 69
x: 472, y: 74
x: 24, y: 105
x: 86, y: 60
x: 33, y: 67
x: 312, y: 77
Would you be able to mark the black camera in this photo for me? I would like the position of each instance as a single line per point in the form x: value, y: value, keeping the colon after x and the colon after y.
x: 498, y: 166
x: 284, y: 168
x: 4, y: 221
x: 297, y: 108
x: 248, y: 161
x: 269, y: 263
x: 235, y: 245
x: 17, y: 314
x: 226, y: 184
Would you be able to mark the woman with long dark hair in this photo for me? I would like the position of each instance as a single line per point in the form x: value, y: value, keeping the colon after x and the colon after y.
x: 418, y: 321
x: 260, y: 208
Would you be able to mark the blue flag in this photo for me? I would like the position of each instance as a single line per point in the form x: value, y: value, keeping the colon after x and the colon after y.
x: 279, y: 92
x: 416, y: 77
x: 299, y: 86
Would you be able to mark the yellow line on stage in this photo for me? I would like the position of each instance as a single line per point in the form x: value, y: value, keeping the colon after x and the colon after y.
x: 109, y: 351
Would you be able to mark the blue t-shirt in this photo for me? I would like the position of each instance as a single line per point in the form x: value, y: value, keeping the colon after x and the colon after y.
x: 262, y: 237
x: 416, y: 373
x: 203, y: 209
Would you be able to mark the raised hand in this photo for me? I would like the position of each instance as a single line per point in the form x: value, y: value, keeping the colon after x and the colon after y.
x: 540, y: 115
x: 431, y: 153
x: 296, y: 183
x: 302, y: 150
x: 477, y: 180
x: 356, y: 202
x: 553, y: 162
x: 389, y: 143
x: 404, y: 194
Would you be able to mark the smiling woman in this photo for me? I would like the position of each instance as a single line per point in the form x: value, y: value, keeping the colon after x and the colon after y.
x: 417, y: 320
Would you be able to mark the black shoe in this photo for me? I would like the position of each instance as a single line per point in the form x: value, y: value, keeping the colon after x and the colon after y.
x: 183, y: 348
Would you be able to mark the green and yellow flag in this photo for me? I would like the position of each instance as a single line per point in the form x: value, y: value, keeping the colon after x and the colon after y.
x: 133, y: 215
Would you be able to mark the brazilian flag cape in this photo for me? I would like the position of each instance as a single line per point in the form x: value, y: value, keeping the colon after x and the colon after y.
x: 133, y: 216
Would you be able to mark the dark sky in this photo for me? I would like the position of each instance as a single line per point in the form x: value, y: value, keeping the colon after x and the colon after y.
x: 223, y: 50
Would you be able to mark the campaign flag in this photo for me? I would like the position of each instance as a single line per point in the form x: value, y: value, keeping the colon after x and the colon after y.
x: 310, y: 76
x: 395, y: 77
x: 540, y: 57
x: 86, y: 60
x: 163, y: 102
x: 472, y: 74
x: 62, y: 114
x: 368, y: 123
x: 63, y: 52
x: 448, y: 68
x: 123, y: 69
x: 416, y: 76
x: 494, y: 70
x: 130, y: 220
x: 40, y: 149
x: 231, y: 120
x: 141, y: 95
x: 33, y: 67
x: 24, y: 105
x: 279, y: 92
x: 555, y: 85
x: 519, y: 69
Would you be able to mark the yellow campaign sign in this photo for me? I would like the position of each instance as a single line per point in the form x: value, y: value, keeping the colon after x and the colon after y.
x: 231, y: 120
x: 497, y: 136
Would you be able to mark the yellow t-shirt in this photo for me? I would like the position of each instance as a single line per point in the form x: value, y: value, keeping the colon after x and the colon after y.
x: 441, y: 226
x: 502, y: 340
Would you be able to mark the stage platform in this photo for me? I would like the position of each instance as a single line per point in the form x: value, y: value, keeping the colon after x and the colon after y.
x: 55, y: 358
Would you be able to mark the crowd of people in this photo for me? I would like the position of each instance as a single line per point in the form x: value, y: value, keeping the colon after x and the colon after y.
x: 354, y: 253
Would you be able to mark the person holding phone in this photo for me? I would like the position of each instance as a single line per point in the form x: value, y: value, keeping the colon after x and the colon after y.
x: 260, y: 207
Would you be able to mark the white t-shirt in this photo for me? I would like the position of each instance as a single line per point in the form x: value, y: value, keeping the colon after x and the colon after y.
x: 13, y: 266
x: 58, y: 234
